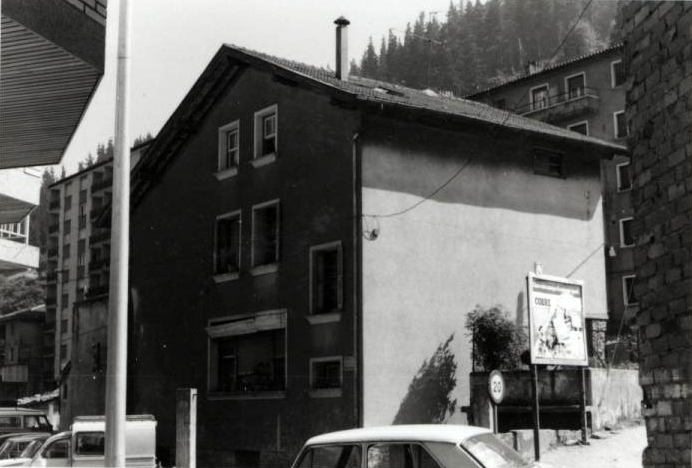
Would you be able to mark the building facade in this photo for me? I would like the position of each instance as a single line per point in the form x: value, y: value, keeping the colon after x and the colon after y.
x: 658, y: 56
x: 297, y: 255
x: 587, y: 95
x: 21, y: 374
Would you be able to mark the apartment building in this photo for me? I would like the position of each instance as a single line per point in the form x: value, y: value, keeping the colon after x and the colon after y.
x: 303, y: 241
x: 587, y: 95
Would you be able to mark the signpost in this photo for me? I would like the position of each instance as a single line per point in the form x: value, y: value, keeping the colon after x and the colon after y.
x: 496, y: 391
x: 557, y: 333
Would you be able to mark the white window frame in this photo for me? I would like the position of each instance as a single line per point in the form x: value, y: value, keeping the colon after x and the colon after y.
x: 583, y: 122
x: 258, y: 158
x: 625, y: 294
x: 221, y: 277
x: 615, y: 125
x: 327, y: 392
x: 247, y: 324
x: 612, y: 73
x: 567, y: 78
x: 269, y: 267
x: 622, y: 232
x: 335, y: 315
x: 533, y: 103
x: 224, y: 172
x: 619, y: 178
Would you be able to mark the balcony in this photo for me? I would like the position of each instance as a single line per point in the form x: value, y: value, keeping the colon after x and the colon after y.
x: 52, y: 252
x: 51, y: 277
x: 562, y: 106
x: 54, y: 205
x: 95, y: 212
x: 19, y: 188
x: 95, y: 265
x: 97, y: 291
x: 101, y: 237
x: 102, y: 184
x: 16, y: 256
x: 53, y: 228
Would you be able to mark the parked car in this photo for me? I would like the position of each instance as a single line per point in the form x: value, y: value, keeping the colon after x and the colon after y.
x: 19, y: 449
x: 409, y: 446
x: 84, y: 444
x: 22, y: 420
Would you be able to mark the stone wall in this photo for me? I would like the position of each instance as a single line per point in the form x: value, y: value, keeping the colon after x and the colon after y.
x: 658, y: 57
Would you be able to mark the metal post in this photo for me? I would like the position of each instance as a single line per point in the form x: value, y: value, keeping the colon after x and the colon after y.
x: 582, y: 404
x: 495, y: 428
x: 116, y: 378
x: 536, y: 418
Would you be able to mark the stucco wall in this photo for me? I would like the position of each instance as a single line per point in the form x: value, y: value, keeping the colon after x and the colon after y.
x: 472, y: 243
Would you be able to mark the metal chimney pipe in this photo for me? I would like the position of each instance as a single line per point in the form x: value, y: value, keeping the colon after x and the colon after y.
x: 342, y: 66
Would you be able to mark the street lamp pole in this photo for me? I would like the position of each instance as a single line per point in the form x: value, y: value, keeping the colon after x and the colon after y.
x: 116, y: 378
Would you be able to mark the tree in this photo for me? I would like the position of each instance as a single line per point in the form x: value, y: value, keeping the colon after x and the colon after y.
x: 497, y: 342
x: 369, y: 64
x: 20, y: 293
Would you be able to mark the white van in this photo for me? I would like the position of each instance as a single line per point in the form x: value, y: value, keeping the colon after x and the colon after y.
x: 84, y: 444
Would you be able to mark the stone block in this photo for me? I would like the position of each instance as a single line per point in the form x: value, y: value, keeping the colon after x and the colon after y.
x: 653, y: 330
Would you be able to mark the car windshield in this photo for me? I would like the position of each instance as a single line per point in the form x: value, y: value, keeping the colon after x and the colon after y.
x: 32, y: 448
x: 12, y: 448
x: 492, y: 452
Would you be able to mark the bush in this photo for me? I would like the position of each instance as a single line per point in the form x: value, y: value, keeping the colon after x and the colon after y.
x: 497, y: 343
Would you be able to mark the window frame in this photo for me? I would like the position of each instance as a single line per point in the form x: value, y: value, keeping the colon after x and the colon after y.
x: 615, y: 125
x: 583, y: 90
x: 613, y: 74
x: 583, y: 122
x: 619, y: 177
x: 621, y: 232
x: 259, y: 159
x: 243, y: 325
x: 326, y: 392
x: 221, y: 277
x: 260, y: 269
x: 547, y: 95
x: 223, y: 171
x: 335, y: 314
x: 625, y: 292
x: 536, y: 153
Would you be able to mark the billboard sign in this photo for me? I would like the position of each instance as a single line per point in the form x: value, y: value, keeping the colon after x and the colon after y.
x: 557, y: 324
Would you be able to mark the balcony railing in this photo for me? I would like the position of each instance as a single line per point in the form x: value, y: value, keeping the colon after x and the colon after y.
x: 98, y: 264
x: 54, y: 205
x: 53, y: 228
x: 585, y: 96
x: 97, y: 290
x: 105, y: 183
x: 104, y: 236
x: 52, y: 252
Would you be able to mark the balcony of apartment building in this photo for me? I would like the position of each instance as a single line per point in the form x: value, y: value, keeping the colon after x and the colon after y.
x: 101, y: 235
x: 553, y: 108
x: 102, y: 182
x: 19, y: 195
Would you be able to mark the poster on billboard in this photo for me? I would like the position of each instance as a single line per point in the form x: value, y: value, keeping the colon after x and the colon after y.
x: 557, y: 325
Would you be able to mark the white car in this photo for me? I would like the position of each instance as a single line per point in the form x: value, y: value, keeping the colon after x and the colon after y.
x: 19, y: 449
x: 409, y: 446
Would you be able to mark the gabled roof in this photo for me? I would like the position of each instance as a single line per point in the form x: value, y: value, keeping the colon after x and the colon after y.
x: 230, y: 61
x: 549, y: 68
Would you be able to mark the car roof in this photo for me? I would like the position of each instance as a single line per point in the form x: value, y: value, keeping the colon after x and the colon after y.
x: 452, y: 433
x: 29, y: 436
x: 13, y: 410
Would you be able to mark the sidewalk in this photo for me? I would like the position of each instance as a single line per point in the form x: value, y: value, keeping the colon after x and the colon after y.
x: 620, y: 448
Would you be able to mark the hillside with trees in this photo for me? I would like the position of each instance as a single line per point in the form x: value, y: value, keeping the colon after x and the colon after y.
x: 484, y: 44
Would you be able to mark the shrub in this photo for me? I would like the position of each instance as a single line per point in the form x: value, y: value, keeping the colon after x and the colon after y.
x: 497, y: 342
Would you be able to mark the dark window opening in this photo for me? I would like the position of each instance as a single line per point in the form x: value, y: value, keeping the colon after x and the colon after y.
x: 327, y: 278
x: 326, y: 374
x: 265, y: 242
x: 227, y: 245
x: 548, y: 163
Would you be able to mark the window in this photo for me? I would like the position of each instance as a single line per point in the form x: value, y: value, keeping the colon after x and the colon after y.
x: 66, y: 226
x: 266, y: 137
x: 82, y: 193
x: 63, y: 327
x: 548, y: 163
x: 500, y: 103
x: 628, y: 290
x: 58, y: 449
x: 326, y: 278
x: 621, y: 130
x: 64, y: 302
x: 229, y: 149
x: 82, y: 217
x: 575, y: 85
x: 626, y: 238
x: 623, y: 176
x: 248, y: 355
x: 325, y: 373
x: 227, y: 241
x: 581, y: 127
x: 400, y: 455
x: 66, y: 251
x: 539, y: 97
x: 68, y: 203
x: 331, y: 456
x: 66, y: 275
x: 89, y: 443
x: 617, y: 71
x: 265, y: 234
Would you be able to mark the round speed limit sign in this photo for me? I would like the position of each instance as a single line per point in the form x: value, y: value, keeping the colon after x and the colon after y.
x: 496, y: 387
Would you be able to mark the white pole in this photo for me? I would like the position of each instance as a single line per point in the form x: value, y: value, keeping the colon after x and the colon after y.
x: 116, y: 379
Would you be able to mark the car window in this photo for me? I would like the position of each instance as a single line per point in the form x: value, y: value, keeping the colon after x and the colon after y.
x: 331, y: 456
x: 58, y: 449
x: 9, y: 421
x: 36, y: 421
x: 89, y: 443
x: 32, y: 448
x: 391, y: 455
x: 492, y: 452
x: 451, y: 455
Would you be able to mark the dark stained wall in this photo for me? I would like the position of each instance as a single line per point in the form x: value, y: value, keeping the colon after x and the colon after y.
x: 174, y: 294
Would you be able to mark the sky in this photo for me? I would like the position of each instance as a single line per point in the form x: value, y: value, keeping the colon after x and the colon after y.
x: 172, y: 41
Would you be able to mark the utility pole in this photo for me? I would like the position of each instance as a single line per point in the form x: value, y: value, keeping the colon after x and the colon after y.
x: 116, y: 378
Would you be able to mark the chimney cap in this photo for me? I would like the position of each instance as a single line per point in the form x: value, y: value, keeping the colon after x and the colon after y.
x: 341, y: 21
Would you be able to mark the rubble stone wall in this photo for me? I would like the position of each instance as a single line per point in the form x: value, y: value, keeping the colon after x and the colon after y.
x: 658, y: 57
